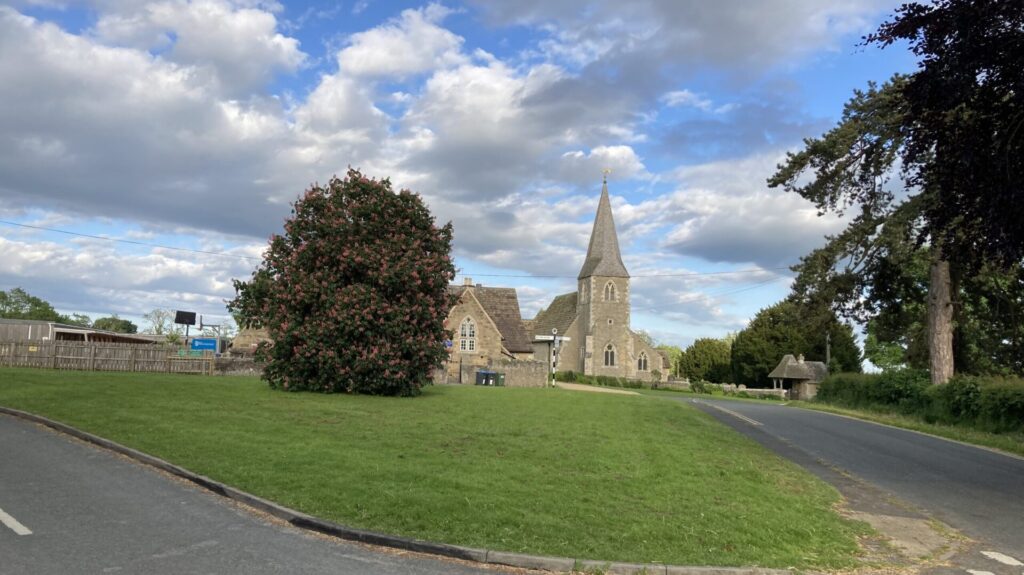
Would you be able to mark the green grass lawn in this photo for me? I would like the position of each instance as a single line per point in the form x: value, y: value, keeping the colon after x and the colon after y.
x: 545, y: 471
x: 1009, y: 442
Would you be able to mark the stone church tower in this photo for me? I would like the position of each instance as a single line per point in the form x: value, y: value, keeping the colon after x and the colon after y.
x: 595, y: 317
x: 603, y: 300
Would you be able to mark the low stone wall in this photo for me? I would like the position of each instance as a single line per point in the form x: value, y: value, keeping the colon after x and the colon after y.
x: 518, y: 373
x: 230, y: 365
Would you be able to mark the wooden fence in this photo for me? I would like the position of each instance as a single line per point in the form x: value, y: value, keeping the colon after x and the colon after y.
x: 96, y: 356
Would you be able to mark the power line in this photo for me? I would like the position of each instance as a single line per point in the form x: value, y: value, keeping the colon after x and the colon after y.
x: 696, y: 297
x: 253, y: 258
x: 688, y: 274
x: 132, y: 242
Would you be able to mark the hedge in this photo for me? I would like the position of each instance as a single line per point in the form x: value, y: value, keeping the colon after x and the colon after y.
x: 602, y: 380
x: 985, y: 403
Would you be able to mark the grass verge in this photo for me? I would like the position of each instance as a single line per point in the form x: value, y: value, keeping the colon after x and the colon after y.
x: 1008, y: 442
x: 544, y: 471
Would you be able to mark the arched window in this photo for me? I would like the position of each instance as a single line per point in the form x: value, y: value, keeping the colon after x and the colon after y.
x: 583, y: 294
x: 609, y: 291
x: 609, y: 356
x: 467, y: 335
x: 641, y: 362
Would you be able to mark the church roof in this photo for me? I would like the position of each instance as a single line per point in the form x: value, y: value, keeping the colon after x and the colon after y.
x: 559, y: 315
x: 603, y: 258
x: 502, y: 306
x: 792, y: 368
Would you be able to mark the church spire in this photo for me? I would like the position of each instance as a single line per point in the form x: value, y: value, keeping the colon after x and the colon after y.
x: 603, y: 258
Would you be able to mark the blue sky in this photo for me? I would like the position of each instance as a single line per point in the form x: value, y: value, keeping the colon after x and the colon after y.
x: 193, y: 124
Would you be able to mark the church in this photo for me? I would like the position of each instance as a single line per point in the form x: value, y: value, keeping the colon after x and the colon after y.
x: 595, y: 319
x: 593, y: 322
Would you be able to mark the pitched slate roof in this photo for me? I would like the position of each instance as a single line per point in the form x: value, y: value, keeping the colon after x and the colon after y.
x: 502, y: 305
x: 791, y: 368
x: 558, y: 315
x: 603, y: 258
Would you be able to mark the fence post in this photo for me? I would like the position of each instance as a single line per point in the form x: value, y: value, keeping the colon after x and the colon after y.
x: 53, y: 358
x: 92, y: 357
x: 133, y: 349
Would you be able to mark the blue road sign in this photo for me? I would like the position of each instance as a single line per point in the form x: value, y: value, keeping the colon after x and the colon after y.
x: 204, y: 343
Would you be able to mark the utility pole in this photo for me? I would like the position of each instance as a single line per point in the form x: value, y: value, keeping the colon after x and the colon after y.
x: 828, y: 349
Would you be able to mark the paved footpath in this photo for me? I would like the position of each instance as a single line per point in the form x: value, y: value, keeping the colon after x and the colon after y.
x: 69, y: 507
x: 977, y: 491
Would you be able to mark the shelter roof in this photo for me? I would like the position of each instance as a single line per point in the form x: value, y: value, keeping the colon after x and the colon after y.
x: 792, y: 368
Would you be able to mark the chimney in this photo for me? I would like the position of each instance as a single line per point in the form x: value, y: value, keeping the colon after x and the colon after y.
x: 800, y: 358
x: 467, y: 281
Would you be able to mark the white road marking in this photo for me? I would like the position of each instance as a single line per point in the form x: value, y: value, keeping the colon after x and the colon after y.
x: 973, y: 572
x: 1004, y: 559
x: 13, y: 524
x: 730, y: 412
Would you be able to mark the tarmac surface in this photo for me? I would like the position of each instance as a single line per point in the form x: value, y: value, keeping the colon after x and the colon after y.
x: 69, y: 507
x: 977, y: 491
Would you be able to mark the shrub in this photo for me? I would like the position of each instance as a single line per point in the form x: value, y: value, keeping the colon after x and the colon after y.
x: 1001, y: 405
x: 566, y: 376
x: 354, y: 293
x: 903, y: 390
x: 986, y: 403
x: 700, y: 386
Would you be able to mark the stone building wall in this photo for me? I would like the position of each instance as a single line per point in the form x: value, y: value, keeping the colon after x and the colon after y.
x: 517, y: 373
x: 488, y: 338
x: 609, y: 324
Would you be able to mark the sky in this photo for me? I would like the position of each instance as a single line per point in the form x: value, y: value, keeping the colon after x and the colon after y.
x: 177, y: 125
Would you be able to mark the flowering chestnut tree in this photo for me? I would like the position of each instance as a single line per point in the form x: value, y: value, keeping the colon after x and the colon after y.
x: 354, y: 293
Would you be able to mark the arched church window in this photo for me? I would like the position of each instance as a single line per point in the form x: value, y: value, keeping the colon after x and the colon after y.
x: 609, y: 356
x: 641, y: 362
x: 467, y: 335
x: 609, y: 291
x: 583, y: 293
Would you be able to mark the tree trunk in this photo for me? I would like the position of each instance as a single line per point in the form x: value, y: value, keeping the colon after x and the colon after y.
x: 940, y: 321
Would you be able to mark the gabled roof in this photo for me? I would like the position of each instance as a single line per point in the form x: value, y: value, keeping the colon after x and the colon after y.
x: 559, y: 315
x: 791, y: 368
x: 502, y: 306
x: 603, y: 258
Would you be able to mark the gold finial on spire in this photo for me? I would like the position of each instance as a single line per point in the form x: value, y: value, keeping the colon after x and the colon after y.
x: 606, y: 171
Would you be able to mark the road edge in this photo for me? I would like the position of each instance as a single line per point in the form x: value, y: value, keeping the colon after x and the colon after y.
x: 310, y: 523
x: 995, y: 450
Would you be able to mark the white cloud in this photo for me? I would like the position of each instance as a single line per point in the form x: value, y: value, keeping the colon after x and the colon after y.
x: 413, y: 43
x: 236, y: 47
x: 583, y: 168
x: 106, y: 280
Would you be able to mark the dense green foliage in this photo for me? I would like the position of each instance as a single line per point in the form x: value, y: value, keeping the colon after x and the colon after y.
x: 951, y: 135
x: 354, y: 293
x: 114, y: 323
x: 988, y: 404
x: 542, y: 471
x: 789, y: 327
x: 706, y: 359
x: 19, y: 304
x: 988, y: 330
x: 963, y: 123
x: 602, y: 380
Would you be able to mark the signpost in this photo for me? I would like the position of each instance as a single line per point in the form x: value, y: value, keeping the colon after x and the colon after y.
x: 554, y: 342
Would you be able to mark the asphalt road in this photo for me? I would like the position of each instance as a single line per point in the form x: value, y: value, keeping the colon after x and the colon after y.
x: 90, y: 511
x: 977, y: 491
